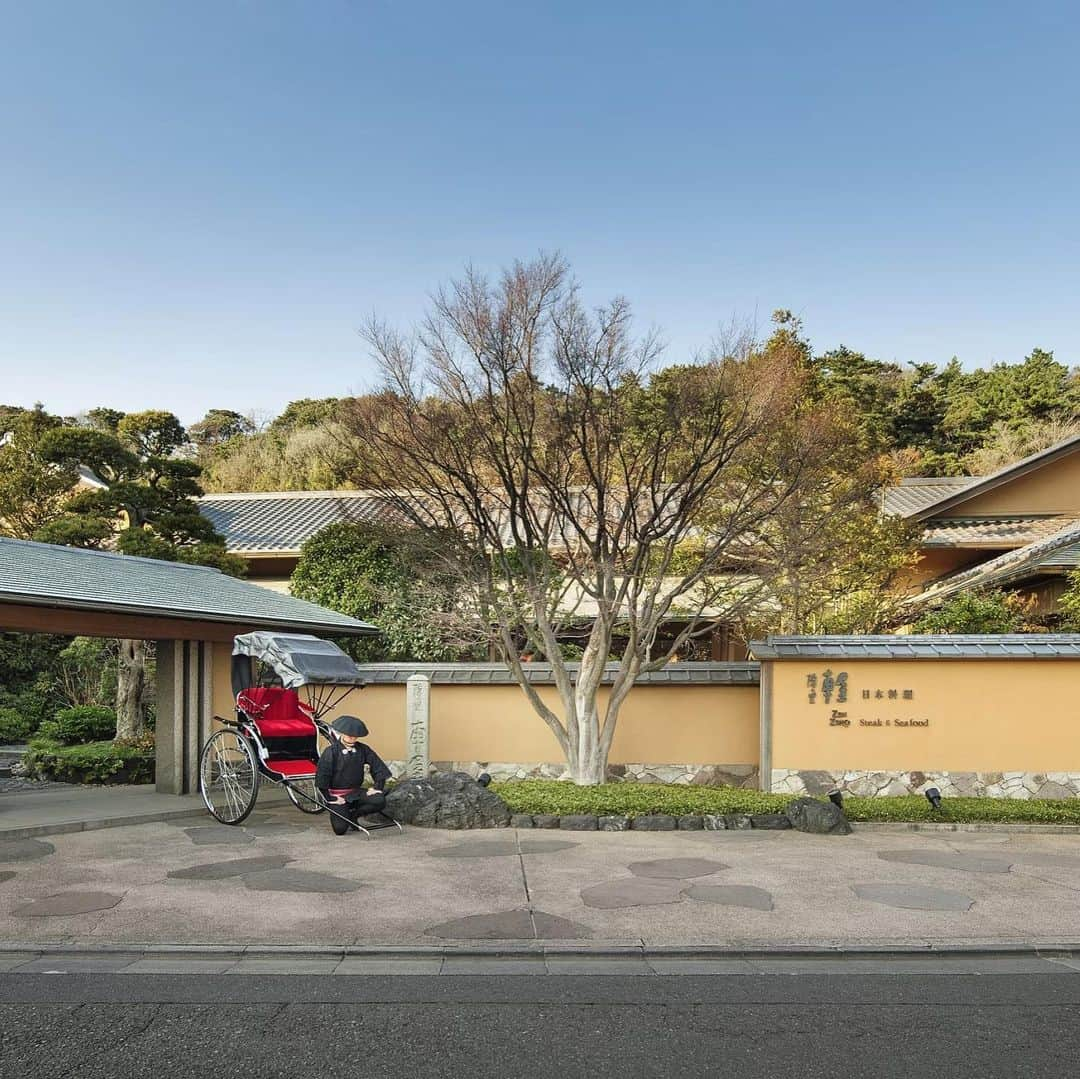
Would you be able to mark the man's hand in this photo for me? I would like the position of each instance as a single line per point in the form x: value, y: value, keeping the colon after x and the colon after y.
x: 337, y: 800
x: 374, y: 790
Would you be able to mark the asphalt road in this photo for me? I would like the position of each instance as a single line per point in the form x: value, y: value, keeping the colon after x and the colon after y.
x: 806, y: 1025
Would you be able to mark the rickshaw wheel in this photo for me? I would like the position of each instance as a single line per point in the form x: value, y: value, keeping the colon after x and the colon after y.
x: 306, y: 786
x: 228, y: 776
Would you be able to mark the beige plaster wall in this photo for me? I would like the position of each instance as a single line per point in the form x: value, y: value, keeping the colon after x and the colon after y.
x: 980, y: 716
x: 1054, y: 488
x: 659, y: 723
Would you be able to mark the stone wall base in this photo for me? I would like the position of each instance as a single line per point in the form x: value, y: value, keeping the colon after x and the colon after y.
x: 951, y: 784
x: 702, y: 775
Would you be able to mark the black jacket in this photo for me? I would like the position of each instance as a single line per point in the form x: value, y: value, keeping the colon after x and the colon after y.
x: 340, y: 770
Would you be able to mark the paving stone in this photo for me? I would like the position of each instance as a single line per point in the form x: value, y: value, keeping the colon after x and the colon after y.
x: 690, y: 824
x: 219, y: 834
x: 497, y: 848
x: 613, y: 824
x: 947, y: 859
x: 578, y: 822
x: 6, y: 874
x: 519, y: 924
x: 631, y: 892
x: 676, y: 868
x: 235, y: 868
x: 913, y: 896
x: 23, y: 850
x: 521, y: 820
x: 66, y: 904
x: 545, y: 820
x: 269, y: 829
x: 731, y: 895
x: 299, y: 880
x: 654, y: 822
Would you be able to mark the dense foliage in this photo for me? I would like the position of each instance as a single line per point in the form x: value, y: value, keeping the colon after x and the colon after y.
x: 381, y: 575
x: 977, y: 612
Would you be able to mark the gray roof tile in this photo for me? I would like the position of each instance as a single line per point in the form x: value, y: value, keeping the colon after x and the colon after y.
x: 745, y: 674
x: 1010, y: 531
x: 1057, y: 551
x: 43, y: 573
x: 917, y: 492
x: 281, y: 521
x: 928, y: 646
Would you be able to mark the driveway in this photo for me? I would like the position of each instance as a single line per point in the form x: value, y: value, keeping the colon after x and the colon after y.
x: 283, y: 878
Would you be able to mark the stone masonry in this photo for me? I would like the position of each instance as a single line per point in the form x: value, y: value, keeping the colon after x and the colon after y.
x: 951, y: 784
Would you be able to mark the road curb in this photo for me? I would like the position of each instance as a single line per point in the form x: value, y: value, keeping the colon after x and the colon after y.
x: 509, y: 949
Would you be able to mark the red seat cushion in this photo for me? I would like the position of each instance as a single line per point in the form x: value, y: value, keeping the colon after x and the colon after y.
x: 287, y: 767
x: 277, y: 712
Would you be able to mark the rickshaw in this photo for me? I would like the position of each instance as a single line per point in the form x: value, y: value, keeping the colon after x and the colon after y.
x: 284, y: 684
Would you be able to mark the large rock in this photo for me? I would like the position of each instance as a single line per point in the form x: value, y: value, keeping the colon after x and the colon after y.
x: 446, y: 800
x: 820, y: 818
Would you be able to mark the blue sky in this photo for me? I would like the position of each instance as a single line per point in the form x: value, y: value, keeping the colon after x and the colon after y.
x: 200, y: 202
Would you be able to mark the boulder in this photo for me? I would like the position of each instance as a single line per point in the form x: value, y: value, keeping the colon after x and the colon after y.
x: 653, y: 822
x: 578, y: 822
x: 546, y: 820
x: 521, y: 820
x: 446, y: 800
x: 613, y: 824
x: 772, y: 821
x: 690, y: 823
x: 820, y: 818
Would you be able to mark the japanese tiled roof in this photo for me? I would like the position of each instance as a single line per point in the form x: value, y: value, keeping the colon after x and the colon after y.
x: 43, y: 574
x: 915, y: 493
x: 928, y: 646
x: 280, y: 521
x: 1005, y: 531
x: 1054, y: 553
x: 744, y: 674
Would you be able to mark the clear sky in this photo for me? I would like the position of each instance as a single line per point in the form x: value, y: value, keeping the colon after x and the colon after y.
x: 200, y: 202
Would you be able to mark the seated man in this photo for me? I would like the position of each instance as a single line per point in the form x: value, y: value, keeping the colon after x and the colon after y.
x: 340, y: 775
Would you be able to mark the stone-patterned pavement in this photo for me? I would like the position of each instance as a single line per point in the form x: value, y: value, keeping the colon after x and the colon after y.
x: 284, y: 878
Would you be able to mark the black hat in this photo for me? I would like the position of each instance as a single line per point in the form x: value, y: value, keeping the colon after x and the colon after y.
x: 350, y: 725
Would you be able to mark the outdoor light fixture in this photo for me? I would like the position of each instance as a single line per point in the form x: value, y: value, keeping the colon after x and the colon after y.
x: 837, y: 799
x: 933, y: 796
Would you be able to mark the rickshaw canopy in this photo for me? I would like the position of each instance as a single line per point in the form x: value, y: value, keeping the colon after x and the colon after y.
x: 298, y: 659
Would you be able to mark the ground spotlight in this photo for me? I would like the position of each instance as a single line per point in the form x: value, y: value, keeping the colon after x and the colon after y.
x: 837, y: 799
x: 933, y: 796
x: 483, y: 779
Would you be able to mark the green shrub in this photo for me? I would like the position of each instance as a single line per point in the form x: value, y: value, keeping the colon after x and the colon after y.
x: 95, y: 762
x: 14, y: 727
x: 81, y: 724
x: 640, y: 799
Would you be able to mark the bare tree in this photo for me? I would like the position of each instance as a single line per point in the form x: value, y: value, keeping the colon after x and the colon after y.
x: 568, y: 483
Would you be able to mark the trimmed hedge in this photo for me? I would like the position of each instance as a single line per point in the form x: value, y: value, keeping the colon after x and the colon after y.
x: 80, y: 725
x: 641, y: 799
x: 93, y: 762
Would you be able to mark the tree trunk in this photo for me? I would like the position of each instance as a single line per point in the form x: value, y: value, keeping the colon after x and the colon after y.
x: 587, y: 759
x: 130, y: 686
